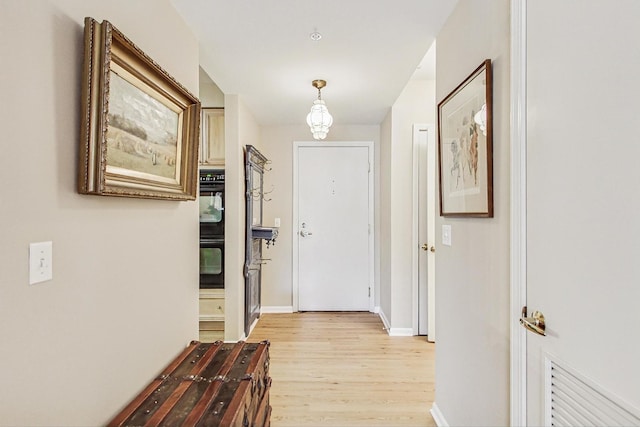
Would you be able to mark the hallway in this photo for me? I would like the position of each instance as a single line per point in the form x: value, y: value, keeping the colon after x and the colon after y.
x: 341, y: 368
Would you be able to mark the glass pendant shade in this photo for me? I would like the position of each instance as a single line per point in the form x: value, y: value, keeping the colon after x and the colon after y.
x: 319, y: 119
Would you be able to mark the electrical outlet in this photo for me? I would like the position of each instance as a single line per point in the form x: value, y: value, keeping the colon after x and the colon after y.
x: 276, y: 222
x: 40, y: 262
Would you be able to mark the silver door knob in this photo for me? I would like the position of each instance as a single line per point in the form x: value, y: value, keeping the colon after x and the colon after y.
x: 305, y: 233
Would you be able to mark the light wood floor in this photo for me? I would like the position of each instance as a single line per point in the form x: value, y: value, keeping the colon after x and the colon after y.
x: 343, y: 369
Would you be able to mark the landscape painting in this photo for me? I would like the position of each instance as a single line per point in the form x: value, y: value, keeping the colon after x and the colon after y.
x: 140, y: 128
x: 142, y: 135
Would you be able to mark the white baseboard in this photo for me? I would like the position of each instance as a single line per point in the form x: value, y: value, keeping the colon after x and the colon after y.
x: 438, y: 417
x: 376, y: 309
x: 385, y: 321
x: 395, y: 332
x: 401, y: 332
x: 276, y: 309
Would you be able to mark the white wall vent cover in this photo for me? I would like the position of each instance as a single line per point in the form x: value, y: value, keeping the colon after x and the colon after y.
x: 573, y: 400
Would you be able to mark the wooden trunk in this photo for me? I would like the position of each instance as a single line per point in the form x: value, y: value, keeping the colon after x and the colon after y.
x: 208, y: 384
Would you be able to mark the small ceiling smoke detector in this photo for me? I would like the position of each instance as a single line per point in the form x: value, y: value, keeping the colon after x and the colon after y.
x: 315, y: 36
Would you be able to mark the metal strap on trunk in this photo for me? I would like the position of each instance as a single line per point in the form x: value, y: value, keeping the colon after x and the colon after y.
x: 210, y: 393
x: 131, y: 408
x: 166, y: 407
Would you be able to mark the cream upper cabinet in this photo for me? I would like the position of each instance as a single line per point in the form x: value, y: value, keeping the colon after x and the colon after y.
x: 212, y: 137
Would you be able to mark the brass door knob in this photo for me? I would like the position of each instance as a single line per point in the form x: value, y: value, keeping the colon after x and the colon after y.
x: 425, y: 247
x: 535, y: 323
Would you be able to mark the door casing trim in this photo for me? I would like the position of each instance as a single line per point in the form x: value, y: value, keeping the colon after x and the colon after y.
x: 518, y: 262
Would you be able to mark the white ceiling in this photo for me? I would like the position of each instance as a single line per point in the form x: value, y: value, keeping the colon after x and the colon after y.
x: 262, y: 51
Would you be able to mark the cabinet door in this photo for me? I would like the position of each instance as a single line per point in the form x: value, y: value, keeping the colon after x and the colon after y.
x: 212, y: 137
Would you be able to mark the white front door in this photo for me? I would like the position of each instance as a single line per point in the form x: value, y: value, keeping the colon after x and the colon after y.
x: 332, y: 237
x: 582, y: 203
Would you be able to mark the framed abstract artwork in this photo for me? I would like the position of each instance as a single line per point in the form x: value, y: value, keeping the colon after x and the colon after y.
x: 465, y: 138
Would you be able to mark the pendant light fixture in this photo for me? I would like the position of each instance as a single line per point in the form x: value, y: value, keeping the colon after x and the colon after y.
x: 319, y: 119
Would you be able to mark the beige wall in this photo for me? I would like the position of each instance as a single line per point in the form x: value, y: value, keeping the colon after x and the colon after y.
x: 210, y: 94
x: 277, y: 145
x: 385, y: 216
x: 123, y: 299
x: 472, y: 275
x: 241, y: 129
x: 416, y: 104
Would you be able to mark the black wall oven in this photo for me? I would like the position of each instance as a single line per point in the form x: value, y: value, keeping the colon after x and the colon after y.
x: 212, y: 263
x: 211, y: 199
x: 211, y: 204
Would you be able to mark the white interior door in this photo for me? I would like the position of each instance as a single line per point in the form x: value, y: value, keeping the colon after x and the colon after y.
x: 582, y: 203
x: 424, y: 152
x: 334, y: 213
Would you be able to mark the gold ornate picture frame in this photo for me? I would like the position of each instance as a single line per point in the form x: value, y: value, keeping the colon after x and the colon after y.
x: 465, y: 145
x: 140, y: 127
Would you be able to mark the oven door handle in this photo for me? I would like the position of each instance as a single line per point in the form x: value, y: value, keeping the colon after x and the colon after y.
x: 212, y: 241
x: 207, y: 189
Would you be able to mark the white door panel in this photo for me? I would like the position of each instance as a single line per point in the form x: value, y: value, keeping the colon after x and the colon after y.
x: 333, y: 228
x: 425, y: 196
x: 583, y: 199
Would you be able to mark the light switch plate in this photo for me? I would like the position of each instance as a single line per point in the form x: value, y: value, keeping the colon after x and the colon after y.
x: 446, y: 235
x: 40, y: 262
x: 276, y: 222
